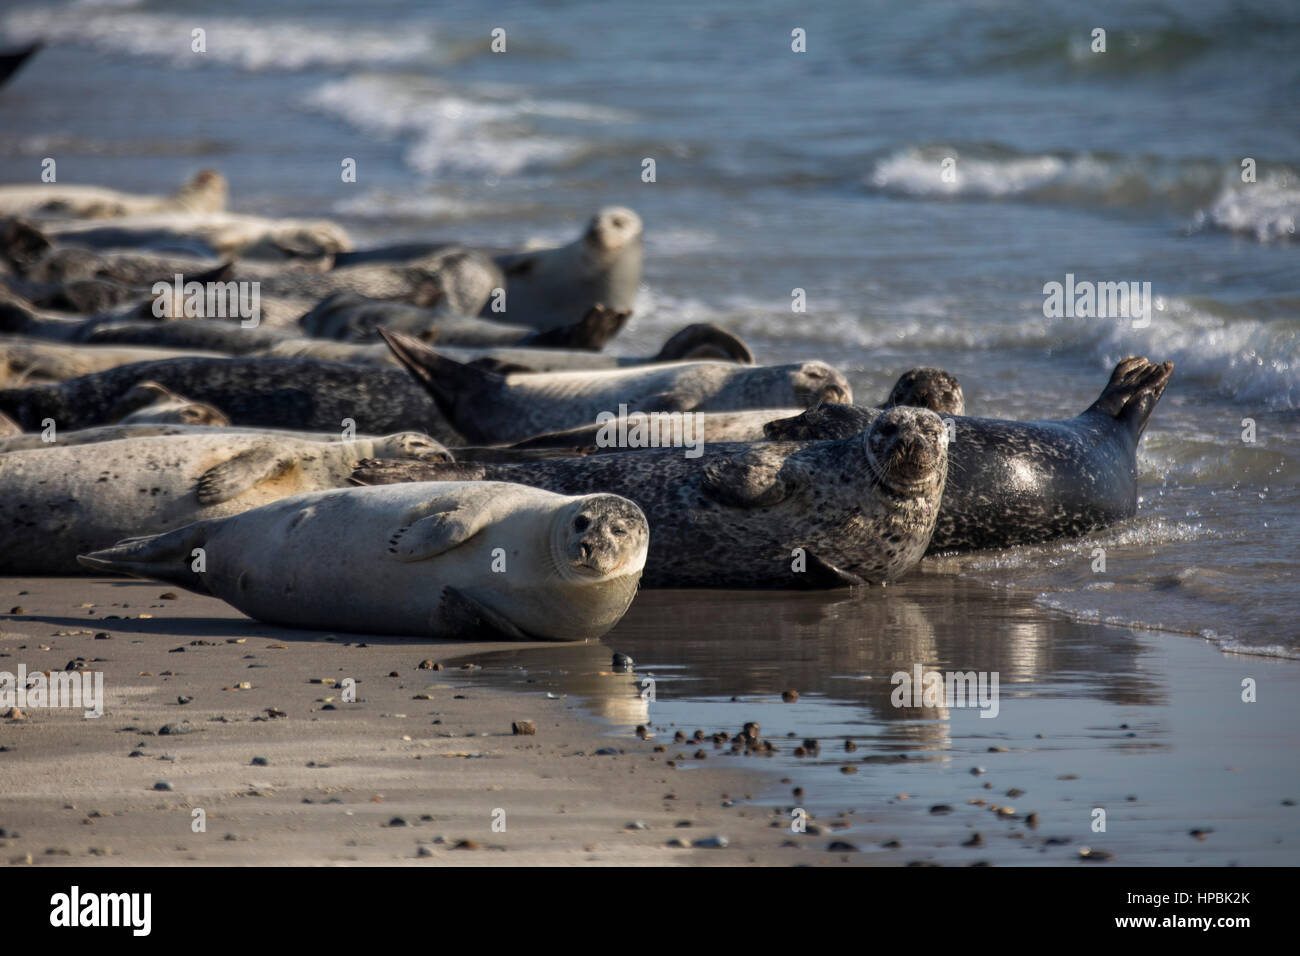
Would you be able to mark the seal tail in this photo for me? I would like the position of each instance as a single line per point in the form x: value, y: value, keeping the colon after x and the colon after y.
x: 166, y: 557
x: 704, y: 340
x: 452, y: 384
x: 1132, y: 392
x: 591, y: 332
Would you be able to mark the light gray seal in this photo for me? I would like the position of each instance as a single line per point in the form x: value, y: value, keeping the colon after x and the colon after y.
x: 488, y: 408
x: 757, y: 515
x: 449, y: 560
x: 206, y: 191
x: 548, y: 287
x: 1014, y: 483
x: 59, y: 502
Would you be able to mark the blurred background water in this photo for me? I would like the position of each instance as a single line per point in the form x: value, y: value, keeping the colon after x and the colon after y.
x: 818, y: 171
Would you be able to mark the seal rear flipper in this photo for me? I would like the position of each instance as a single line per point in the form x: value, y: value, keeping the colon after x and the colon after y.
x: 161, y: 557
x: 233, y: 477
x: 389, y: 471
x: 459, y: 615
x: 1132, y: 392
x: 452, y: 384
x: 704, y: 340
x: 754, y: 481
x: 821, y: 575
x: 590, y: 333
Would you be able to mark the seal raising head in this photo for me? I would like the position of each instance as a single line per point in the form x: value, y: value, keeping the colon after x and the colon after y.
x: 907, y: 449
x: 931, y: 388
x: 611, y: 229
x: 817, y: 382
x: 601, y: 536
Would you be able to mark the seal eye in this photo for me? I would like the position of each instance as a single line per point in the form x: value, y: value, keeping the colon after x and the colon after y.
x: 581, y: 523
x: 619, y: 530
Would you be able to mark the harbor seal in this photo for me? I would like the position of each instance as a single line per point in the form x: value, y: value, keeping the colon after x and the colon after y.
x: 1012, y: 483
x: 915, y: 387
x: 548, y: 287
x: 149, y: 403
x: 275, y: 393
x: 19, y: 441
x: 59, y: 502
x: 26, y: 362
x: 757, y: 515
x: 488, y: 561
x: 488, y: 408
x: 205, y: 192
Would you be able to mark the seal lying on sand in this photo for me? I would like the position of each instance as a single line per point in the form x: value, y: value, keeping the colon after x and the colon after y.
x: 1015, y: 483
x: 276, y: 393
x: 20, y: 441
x: 205, y: 192
x: 475, y: 560
x: 57, y: 503
x: 766, y: 514
x: 148, y: 403
x: 24, y: 361
x: 489, y: 408
x: 547, y: 287
x: 915, y: 387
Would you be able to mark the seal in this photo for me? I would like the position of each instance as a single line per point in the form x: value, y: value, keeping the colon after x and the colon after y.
x: 21, y: 441
x: 757, y: 515
x: 149, y: 403
x: 450, y: 560
x: 748, y: 425
x: 349, y: 317
x: 489, y: 408
x: 548, y: 287
x: 23, y: 361
x: 1013, y: 483
x: 59, y: 502
x: 275, y: 393
x: 205, y: 192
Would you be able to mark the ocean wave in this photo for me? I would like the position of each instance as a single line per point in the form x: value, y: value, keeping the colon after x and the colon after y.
x: 489, y: 131
x: 234, y: 41
x: 1210, y: 194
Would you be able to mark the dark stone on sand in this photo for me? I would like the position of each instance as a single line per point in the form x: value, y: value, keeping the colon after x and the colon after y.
x: 941, y: 808
x: 467, y: 845
x: 259, y: 762
x: 1031, y: 821
x: 840, y: 846
x: 397, y: 822
x: 523, y: 728
x: 429, y: 665
x: 174, y: 730
x: 1015, y: 792
x: 608, y: 752
x: 622, y: 662
x: 1095, y: 856
x: 183, y: 700
x: 711, y: 843
x: 789, y: 696
x: 103, y: 636
x: 163, y: 785
x: 850, y: 746
x: 641, y: 732
x: 17, y: 610
x: 975, y: 840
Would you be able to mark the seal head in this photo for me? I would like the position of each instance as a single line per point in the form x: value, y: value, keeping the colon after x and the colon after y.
x: 931, y: 388
x: 600, y: 536
x: 907, y: 450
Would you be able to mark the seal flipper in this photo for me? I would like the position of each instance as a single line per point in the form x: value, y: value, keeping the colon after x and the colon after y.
x: 436, y: 534
x: 704, y: 340
x: 162, y: 557
x: 452, y: 384
x: 461, y: 616
x: 233, y: 477
x: 1132, y: 392
x: 822, y: 575
x: 591, y: 332
x: 754, y: 481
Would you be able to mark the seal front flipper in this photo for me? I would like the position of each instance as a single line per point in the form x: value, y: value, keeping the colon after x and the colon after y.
x: 754, y: 481
x: 435, y: 534
x: 233, y: 477
x: 822, y: 575
x: 591, y: 332
x: 461, y: 616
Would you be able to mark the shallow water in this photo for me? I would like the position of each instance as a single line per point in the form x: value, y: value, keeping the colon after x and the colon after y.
x: 817, y: 171
x: 1149, y: 728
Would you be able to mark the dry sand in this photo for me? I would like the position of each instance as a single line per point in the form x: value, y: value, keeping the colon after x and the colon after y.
x: 335, y: 779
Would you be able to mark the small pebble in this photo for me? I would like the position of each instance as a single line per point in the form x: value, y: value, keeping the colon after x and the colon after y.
x: 523, y: 728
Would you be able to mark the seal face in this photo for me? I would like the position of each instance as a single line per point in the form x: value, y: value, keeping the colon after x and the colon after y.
x: 931, y: 388
x: 468, y: 560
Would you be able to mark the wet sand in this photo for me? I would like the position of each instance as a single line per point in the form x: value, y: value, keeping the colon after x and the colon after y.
x: 1148, y: 727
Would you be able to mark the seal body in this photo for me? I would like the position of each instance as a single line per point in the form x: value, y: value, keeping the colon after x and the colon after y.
x: 1013, y: 483
x: 490, y: 408
x: 761, y: 515
x: 440, y: 559
x: 58, y: 502
x: 276, y: 393
x: 546, y: 288
x: 206, y: 191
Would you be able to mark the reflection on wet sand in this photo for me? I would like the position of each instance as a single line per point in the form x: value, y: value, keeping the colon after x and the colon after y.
x: 842, y: 648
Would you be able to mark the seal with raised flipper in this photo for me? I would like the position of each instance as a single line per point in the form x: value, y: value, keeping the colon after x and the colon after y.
x: 479, y: 560
x: 1015, y: 483
x: 56, y: 503
x: 761, y: 514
